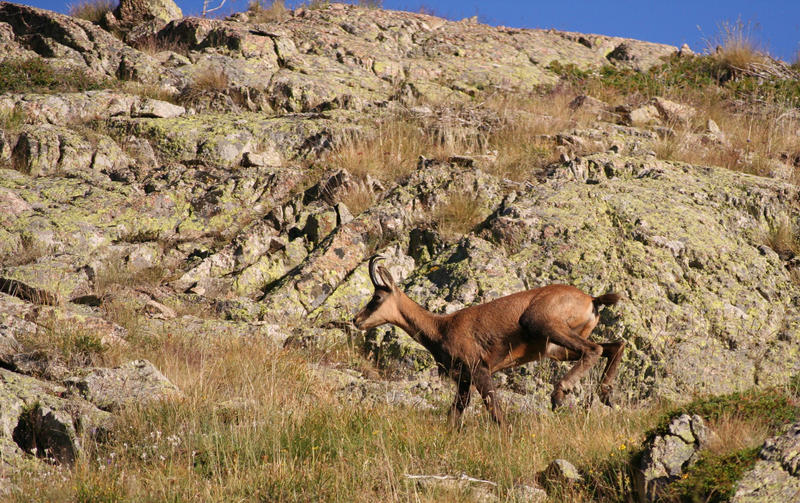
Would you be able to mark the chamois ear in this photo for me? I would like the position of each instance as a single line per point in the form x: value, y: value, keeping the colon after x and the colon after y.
x: 386, y: 276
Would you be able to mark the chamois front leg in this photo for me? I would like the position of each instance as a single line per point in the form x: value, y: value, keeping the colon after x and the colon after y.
x: 482, y: 379
x: 463, y: 382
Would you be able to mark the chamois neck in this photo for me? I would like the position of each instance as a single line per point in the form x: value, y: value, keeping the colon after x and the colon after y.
x: 422, y: 325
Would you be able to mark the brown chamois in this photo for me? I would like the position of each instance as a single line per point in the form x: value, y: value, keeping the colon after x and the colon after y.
x: 470, y: 345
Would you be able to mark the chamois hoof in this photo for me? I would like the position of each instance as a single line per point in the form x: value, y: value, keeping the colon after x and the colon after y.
x: 557, y: 398
x: 605, y: 394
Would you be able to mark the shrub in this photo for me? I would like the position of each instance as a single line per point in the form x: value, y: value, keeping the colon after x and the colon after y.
x: 770, y: 406
x: 713, y: 478
x: 275, y: 12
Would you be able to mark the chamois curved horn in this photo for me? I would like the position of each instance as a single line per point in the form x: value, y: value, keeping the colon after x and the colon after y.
x: 373, y: 264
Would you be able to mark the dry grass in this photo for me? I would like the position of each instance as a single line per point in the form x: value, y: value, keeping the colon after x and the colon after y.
x: 734, y: 433
x: 148, y: 91
x: 525, y: 121
x: 359, y: 198
x: 206, y: 82
x: 459, y: 215
x: 517, y: 128
x: 256, y: 425
x: 274, y: 12
x: 29, y: 250
x: 117, y: 272
x: 783, y: 238
x: 758, y: 142
x: 736, y: 47
x: 153, y: 44
x: 390, y: 153
x: 91, y: 10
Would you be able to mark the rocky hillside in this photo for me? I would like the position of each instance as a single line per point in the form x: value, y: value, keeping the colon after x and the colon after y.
x: 230, y: 178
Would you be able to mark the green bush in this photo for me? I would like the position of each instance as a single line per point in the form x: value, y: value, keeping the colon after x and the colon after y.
x: 713, y: 478
x: 770, y: 405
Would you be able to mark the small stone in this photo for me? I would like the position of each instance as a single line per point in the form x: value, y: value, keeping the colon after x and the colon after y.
x: 712, y: 127
x: 639, y: 116
x: 260, y: 159
x: 685, y: 50
x: 672, y: 112
x: 160, y: 310
x: 561, y: 470
x: 345, y: 217
x: 588, y: 103
x: 157, y: 109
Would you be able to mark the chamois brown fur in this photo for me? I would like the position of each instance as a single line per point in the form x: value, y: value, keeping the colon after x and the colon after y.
x: 470, y: 345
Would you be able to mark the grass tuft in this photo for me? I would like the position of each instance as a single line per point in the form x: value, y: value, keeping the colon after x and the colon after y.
x: 737, y: 48
x: 12, y: 120
x: 459, y: 215
x: 783, y: 238
x: 91, y: 10
x: 206, y: 82
x: 36, y: 75
x: 275, y: 12
x: 713, y: 478
x: 358, y: 198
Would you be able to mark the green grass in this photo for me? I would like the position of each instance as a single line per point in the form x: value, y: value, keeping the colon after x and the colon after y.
x: 256, y: 424
x: 678, y: 76
x: 36, y: 75
x: 713, y: 478
x: 12, y: 120
x: 773, y: 407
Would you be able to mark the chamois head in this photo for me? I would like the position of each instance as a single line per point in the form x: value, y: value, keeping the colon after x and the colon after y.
x: 382, y: 307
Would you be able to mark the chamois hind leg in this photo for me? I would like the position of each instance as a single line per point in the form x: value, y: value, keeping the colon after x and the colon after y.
x: 612, y: 351
x: 585, y: 352
x: 482, y: 379
x: 463, y: 382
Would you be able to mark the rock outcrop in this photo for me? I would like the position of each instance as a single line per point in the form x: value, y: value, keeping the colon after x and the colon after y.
x: 666, y: 456
x: 201, y: 175
x: 776, y: 476
x: 137, y: 382
x: 35, y: 419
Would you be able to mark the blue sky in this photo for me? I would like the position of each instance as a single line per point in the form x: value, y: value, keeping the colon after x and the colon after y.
x: 776, y: 22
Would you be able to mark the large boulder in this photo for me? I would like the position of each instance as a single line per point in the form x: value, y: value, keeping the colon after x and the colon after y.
x: 667, y: 455
x: 136, y: 382
x: 708, y: 307
x: 133, y: 12
x: 776, y: 475
x: 35, y: 417
x: 75, y: 43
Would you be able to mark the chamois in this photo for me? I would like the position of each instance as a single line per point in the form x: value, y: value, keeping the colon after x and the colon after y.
x: 470, y: 345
